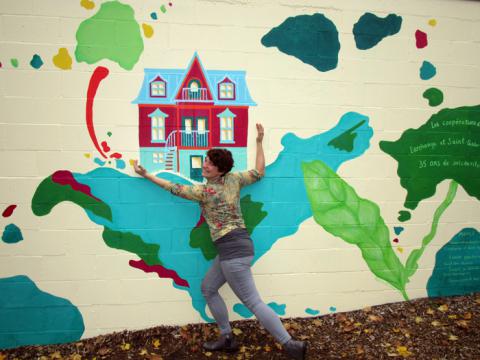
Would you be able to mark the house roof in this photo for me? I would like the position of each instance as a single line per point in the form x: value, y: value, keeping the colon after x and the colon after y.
x: 174, y: 78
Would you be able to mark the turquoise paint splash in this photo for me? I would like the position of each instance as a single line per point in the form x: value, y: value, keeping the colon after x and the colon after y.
x: 371, y: 29
x: 99, y: 162
x: 332, y: 309
x: 243, y: 311
x: 120, y: 164
x: 398, y: 230
x: 36, y: 61
x: 457, y: 266
x: 427, y: 71
x: 30, y: 316
x: 311, y: 311
x: 12, y: 234
x: 140, y: 207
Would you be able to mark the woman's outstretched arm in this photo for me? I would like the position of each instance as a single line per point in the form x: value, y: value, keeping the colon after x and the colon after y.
x: 260, y: 158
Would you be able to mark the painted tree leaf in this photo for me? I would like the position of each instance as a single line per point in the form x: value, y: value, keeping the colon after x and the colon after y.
x: 340, y: 211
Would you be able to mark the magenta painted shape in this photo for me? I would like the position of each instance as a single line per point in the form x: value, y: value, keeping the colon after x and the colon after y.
x: 160, y: 270
x: 9, y: 210
x: 65, y: 177
x: 421, y: 39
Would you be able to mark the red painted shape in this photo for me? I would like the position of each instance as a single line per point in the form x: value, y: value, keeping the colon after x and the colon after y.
x: 65, y: 177
x: 421, y: 39
x: 200, y: 221
x: 160, y: 270
x: 195, y: 73
x: 105, y: 146
x: 395, y: 240
x: 9, y: 210
x: 116, y: 156
x: 98, y: 75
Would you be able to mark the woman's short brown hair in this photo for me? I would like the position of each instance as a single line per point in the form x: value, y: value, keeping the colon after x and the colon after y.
x: 222, y: 159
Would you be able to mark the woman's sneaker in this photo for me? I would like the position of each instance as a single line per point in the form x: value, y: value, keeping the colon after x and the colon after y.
x: 296, y: 349
x: 223, y: 343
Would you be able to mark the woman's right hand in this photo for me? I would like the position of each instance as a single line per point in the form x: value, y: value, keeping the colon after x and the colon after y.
x: 139, y: 169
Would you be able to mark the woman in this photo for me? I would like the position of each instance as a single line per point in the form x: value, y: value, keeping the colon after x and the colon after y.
x: 219, y: 200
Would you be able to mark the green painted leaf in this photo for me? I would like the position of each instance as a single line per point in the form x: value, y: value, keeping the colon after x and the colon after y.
x: 340, y: 211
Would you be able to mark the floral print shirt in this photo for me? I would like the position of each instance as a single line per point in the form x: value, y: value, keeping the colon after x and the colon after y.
x: 219, y: 200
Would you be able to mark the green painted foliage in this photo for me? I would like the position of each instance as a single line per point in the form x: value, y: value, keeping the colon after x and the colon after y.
x: 48, y: 194
x: 340, y: 211
x: 112, y: 33
x: 132, y: 243
x: 252, y: 215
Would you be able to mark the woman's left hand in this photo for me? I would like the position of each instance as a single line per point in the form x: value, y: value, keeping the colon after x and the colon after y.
x: 259, y: 133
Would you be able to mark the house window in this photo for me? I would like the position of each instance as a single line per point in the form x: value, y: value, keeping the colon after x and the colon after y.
x: 158, y: 128
x: 158, y: 158
x: 194, y: 89
x: 201, y: 125
x: 158, y: 87
x: 188, y: 126
x: 226, y: 90
x: 157, y: 119
x: 227, y: 119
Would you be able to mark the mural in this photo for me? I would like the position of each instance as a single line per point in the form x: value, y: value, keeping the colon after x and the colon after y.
x: 183, y: 111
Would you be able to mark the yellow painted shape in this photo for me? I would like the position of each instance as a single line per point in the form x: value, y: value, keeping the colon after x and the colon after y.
x: 62, y: 60
x: 131, y: 161
x: 147, y: 30
x: 400, y: 249
x: 87, y: 4
x: 432, y: 22
x: 87, y: 155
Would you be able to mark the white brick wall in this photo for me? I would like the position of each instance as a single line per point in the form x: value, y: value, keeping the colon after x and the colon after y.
x: 42, y: 129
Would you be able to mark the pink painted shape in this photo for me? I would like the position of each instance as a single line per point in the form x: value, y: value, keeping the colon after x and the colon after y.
x: 98, y: 75
x: 160, y: 270
x: 116, y: 156
x: 9, y: 210
x: 65, y: 177
x: 421, y: 39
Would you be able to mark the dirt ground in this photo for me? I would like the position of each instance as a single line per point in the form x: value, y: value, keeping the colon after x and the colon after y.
x: 430, y: 328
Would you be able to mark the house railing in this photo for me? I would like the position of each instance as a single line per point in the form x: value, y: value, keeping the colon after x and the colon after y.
x: 192, y: 138
x: 200, y: 94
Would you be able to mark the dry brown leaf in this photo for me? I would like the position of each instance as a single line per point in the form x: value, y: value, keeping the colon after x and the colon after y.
x: 360, y: 350
x: 155, y: 357
x: 267, y: 348
x: 418, y: 319
x: 55, y: 355
x: 357, y: 324
x: 237, y: 331
x: 2, y: 356
x: 103, y: 351
x: 144, y: 352
x: 462, y: 323
x: 367, y: 309
x: 208, y: 353
x: 76, y: 357
x: 156, y: 343
x: 467, y: 316
x: 443, y: 308
x: 125, y: 346
x: 348, y: 328
x: 375, y: 318
x: 430, y: 311
x: 436, y: 323
x: 452, y: 316
x: 367, y: 331
x: 453, y: 337
x: 317, y: 322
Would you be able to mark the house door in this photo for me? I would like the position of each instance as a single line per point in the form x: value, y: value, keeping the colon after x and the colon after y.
x: 196, y: 162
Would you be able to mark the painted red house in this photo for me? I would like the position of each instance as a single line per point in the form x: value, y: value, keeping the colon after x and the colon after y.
x: 184, y: 112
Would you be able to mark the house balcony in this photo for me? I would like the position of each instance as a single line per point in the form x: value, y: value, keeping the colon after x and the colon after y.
x: 194, y: 95
x: 186, y: 138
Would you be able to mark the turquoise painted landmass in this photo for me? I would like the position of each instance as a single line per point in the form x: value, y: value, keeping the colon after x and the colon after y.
x: 12, y: 234
x: 371, y: 29
x: 30, y: 316
x: 427, y: 70
x: 157, y: 217
x: 244, y: 312
x: 457, y: 266
x: 312, y: 39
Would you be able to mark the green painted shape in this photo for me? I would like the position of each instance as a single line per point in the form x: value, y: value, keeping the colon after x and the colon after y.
x: 404, y: 215
x: 48, y: 194
x: 411, y: 265
x: 112, y: 33
x: 447, y: 146
x: 344, y: 141
x: 252, y: 215
x: 340, y: 211
x: 434, y: 96
x: 14, y: 62
x: 132, y: 243
x: 312, y: 39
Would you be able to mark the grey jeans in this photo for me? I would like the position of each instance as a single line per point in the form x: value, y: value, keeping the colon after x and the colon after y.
x: 238, y: 275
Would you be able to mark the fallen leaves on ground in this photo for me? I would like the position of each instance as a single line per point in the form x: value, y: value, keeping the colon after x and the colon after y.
x: 430, y: 328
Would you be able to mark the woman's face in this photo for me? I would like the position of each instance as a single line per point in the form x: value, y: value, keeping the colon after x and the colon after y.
x: 210, y: 171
